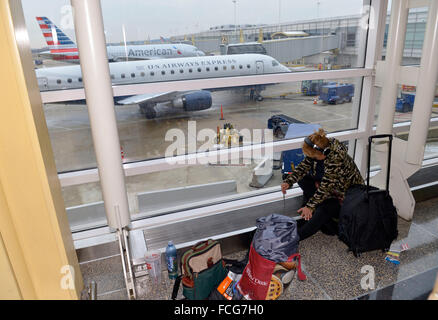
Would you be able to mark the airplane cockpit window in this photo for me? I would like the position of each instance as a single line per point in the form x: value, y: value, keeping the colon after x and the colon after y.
x: 274, y: 63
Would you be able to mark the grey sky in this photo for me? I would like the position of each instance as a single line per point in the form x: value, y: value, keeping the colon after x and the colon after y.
x: 143, y: 19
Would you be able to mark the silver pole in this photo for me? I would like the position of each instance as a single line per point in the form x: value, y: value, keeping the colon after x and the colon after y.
x: 394, y: 55
x: 425, y: 89
x: 98, y: 92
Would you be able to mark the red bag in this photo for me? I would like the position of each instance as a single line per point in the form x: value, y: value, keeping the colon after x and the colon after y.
x: 256, y: 277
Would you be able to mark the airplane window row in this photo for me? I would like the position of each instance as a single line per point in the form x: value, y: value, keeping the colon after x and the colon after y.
x: 152, y: 73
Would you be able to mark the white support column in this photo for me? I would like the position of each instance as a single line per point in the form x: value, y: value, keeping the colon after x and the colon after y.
x: 98, y: 92
x: 407, y: 155
x: 376, y: 30
x: 394, y: 55
x: 425, y: 92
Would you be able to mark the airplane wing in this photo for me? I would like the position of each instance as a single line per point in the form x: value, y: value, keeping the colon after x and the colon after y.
x: 152, y: 98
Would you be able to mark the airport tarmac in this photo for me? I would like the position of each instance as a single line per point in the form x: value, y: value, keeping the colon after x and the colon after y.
x: 142, y: 138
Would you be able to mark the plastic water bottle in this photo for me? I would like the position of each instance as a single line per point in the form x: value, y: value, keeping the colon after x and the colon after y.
x: 172, y: 264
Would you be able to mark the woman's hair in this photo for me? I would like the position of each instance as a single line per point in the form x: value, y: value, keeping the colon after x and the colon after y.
x: 319, y: 138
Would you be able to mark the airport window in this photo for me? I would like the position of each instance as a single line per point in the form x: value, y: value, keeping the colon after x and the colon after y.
x: 339, y: 36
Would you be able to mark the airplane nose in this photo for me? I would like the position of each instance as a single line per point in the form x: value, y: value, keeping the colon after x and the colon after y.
x: 200, y: 53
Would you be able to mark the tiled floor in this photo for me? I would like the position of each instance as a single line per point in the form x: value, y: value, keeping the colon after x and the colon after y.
x: 333, y: 273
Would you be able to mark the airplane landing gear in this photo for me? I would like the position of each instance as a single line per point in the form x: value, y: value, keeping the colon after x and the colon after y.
x: 148, y: 110
x: 254, y: 95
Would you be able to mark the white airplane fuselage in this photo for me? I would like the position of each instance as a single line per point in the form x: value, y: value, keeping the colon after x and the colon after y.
x: 151, y: 52
x: 144, y: 71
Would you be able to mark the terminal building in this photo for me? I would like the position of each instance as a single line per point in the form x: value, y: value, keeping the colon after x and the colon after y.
x: 346, y: 29
x: 106, y: 157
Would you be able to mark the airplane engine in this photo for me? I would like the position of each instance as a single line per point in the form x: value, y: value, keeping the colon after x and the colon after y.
x: 195, y: 101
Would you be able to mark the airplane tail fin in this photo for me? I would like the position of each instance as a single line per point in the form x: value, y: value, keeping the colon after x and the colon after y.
x: 60, y: 45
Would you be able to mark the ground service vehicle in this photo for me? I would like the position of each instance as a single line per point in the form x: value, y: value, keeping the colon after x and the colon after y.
x: 338, y: 93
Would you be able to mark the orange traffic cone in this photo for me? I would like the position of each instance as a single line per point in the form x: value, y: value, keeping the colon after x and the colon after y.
x: 315, y: 101
x: 222, y: 114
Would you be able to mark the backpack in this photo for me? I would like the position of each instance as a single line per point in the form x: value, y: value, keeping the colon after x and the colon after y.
x: 202, y: 268
x: 274, y: 246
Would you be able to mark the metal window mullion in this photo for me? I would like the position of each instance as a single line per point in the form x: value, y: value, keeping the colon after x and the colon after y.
x: 162, y: 164
x: 212, y: 83
x: 377, y: 23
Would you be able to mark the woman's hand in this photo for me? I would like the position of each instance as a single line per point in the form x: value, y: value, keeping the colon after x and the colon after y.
x: 284, y: 187
x: 306, y: 213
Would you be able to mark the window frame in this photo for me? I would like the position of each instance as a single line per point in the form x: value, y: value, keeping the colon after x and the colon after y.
x: 365, y: 127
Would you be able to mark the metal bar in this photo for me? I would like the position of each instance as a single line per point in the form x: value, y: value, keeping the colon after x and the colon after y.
x: 148, y: 166
x: 377, y: 22
x: 425, y: 92
x: 394, y: 54
x: 97, y: 84
x: 184, y: 85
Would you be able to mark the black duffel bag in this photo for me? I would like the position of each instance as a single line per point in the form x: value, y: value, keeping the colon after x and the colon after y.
x: 368, y: 218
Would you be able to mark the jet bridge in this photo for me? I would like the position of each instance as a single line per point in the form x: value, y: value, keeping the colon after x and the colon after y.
x: 289, y: 49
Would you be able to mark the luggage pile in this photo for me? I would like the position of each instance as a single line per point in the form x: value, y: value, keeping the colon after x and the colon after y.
x: 269, y: 266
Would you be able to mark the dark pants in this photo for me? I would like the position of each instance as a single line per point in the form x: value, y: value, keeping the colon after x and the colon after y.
x: 323, y: 216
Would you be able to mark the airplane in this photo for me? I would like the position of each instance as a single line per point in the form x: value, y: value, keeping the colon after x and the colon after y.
x: 62, y: 48
x: 133, y: 72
